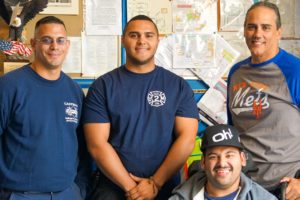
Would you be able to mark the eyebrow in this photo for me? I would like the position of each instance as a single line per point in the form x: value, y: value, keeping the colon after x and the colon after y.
x: 253, y: 24
x: 230, y: 151
x: 137, y: 32
x: 268, y: 25
x: 47, y: 36
x: 211, y: 153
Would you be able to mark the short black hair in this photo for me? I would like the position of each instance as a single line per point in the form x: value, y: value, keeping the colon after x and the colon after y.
x: 266, y: 4
x: 49, y: 20
x: 140, y: 17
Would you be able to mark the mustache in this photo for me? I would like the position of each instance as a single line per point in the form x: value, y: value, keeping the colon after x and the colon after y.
x: 218, y: 167
x: 256, y: 39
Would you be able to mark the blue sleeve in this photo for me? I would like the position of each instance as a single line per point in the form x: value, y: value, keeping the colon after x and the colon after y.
x: 290, y: 67
x: 293, y: 81
x: 5, y: 101
x: 84, y: 170
x: 95, y: 110
x: 187, y: 106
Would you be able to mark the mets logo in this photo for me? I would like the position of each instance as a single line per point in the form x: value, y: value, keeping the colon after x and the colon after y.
x: 156, y: 98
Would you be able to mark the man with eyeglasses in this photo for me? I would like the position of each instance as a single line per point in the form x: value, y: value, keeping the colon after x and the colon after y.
x: 42, y: 149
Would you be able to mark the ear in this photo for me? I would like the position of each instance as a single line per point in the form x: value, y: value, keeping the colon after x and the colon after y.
x: 68, y: 44
x: 202, y: 163
x: 122, y: 40
x: 32, y: 43
x: 279, y: 33
x: 243, y: 158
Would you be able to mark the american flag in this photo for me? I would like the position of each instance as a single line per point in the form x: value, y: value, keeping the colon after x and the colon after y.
x: 13, y: 47
x: 5, y: 45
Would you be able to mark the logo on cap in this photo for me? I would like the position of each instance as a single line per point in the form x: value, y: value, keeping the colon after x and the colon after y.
x: 224, y: 135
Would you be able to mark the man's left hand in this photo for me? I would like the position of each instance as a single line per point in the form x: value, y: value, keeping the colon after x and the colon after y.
x: 293, y: 189
x: 145, y: 189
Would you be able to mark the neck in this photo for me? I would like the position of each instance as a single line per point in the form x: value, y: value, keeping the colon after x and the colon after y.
x: 48, y: 74
x: 140, y: 69
x: 260, y: 59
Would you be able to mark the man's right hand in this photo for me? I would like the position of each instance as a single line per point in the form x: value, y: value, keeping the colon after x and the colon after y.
x: 145, y: 189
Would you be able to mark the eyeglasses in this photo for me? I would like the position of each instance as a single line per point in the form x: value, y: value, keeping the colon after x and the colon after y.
x: 48, y: 40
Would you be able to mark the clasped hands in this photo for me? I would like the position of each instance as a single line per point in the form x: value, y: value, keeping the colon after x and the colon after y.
x: 146, y: 189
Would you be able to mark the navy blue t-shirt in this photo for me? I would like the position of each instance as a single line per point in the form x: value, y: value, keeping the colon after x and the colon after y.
x: 230, y: 196
x: 38, y: 131
x: 141, y: 109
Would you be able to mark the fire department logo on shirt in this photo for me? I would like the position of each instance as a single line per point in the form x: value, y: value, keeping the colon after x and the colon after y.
x: 71, y: 111
x: 156, y: 98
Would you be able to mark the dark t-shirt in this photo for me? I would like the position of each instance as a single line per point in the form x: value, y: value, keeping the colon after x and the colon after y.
x: 141, y: 109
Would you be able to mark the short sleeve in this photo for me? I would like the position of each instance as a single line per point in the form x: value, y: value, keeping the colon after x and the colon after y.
x: 4, y: 106
x: 187, y: 105
x: 95, y: 109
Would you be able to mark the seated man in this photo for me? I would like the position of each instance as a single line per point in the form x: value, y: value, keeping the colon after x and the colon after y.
x: 221, y: 177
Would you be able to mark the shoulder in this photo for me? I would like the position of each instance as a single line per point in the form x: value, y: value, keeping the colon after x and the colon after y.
x: 289, y: 64
x: 17, y: 72
x: 168, y: 73
x: 14, y: 82
x: 253, y: 190
x: 72, y: 84
x: 14, y: 78
x: 177, y: 82
x: 104, y: 82
x: 238, y: 65
x: 109, y: 76
x: 289, y: 56
x: 191, y: 187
